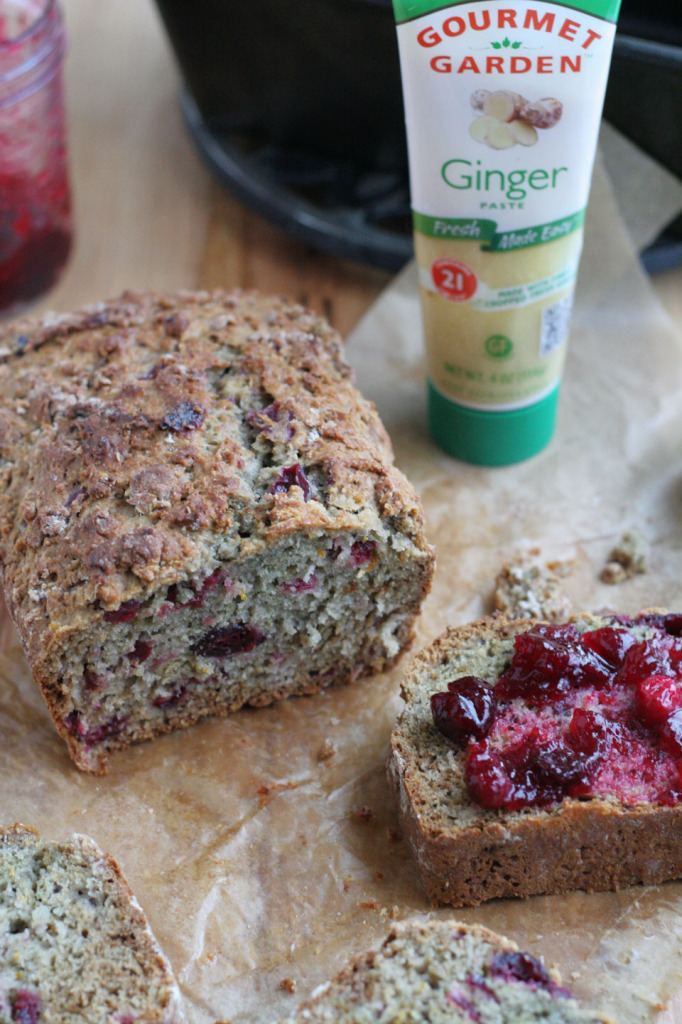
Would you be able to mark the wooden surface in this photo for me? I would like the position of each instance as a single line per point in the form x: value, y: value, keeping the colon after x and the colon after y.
x: 148, y: 214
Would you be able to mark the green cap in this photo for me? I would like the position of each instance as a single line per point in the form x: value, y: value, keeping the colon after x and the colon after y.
x: 491, y: 438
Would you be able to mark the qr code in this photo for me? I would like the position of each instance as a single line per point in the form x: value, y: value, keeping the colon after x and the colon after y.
x: 554, y: 328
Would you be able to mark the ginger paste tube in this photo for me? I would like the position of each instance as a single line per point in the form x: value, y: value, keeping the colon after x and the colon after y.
x: 502, y: 103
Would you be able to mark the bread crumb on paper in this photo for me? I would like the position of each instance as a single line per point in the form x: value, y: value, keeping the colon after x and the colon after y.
x: 525, y: 588
x: 326, y: 751
x: 392, y: 913
x: 287, y: 985
x: 628, y: 558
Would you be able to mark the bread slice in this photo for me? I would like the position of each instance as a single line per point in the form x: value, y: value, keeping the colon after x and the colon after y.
x: 75, y: 947
x: 198, y: 510
x: 466, y: 853
x: 444, y: 972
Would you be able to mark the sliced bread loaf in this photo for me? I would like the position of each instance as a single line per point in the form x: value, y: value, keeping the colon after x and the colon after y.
x: 556, y: 763
x: 198, y: 510
x: 444, y: 972
x: 75, y: 947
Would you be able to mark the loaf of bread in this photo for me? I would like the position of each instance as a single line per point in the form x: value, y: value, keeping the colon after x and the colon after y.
x: 556, y: 761
x: 444, y: 972
x: 75, y: 947
x: 198, y: 510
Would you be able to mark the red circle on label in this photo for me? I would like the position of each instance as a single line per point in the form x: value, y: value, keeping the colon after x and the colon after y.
x: 454, y: 280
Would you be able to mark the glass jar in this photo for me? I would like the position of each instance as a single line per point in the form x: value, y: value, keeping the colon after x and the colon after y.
x: 35, y: 207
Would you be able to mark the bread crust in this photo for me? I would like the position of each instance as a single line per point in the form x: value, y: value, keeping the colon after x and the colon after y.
x: 466, y: 854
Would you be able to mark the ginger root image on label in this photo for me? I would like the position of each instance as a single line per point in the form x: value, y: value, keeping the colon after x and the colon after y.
x: 507, y: 118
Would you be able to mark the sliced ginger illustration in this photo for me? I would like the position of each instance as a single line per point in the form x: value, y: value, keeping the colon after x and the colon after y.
x: 523, y: 132
x: 507, y: 118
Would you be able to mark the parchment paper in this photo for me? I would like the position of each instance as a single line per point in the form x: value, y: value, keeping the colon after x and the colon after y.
x: 264, y: 847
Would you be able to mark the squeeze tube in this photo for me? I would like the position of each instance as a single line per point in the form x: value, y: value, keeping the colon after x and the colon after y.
x: 503, y: 101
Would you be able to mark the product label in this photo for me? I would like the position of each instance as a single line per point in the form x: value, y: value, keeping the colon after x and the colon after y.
x: 486, y: 232
x: 503, y: 104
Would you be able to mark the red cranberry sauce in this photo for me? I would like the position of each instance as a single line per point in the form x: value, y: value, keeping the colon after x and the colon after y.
x: 465, y: 711
x: 35, y: 234
x: 35, y: 208
x: 575, y: 715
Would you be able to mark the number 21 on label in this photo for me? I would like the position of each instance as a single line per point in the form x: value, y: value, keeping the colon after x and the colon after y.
x: 454, y: 280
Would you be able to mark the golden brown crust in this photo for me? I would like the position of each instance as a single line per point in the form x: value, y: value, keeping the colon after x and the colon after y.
x: 466, y: 855
x: 126, y: 438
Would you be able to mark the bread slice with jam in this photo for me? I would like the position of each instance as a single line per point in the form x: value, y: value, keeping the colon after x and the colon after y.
x: 535, y: 758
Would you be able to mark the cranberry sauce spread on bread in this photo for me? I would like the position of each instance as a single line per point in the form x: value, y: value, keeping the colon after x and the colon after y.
x: 536, y: 758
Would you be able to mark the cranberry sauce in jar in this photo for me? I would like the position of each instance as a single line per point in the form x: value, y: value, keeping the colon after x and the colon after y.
x: 35, y: 208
